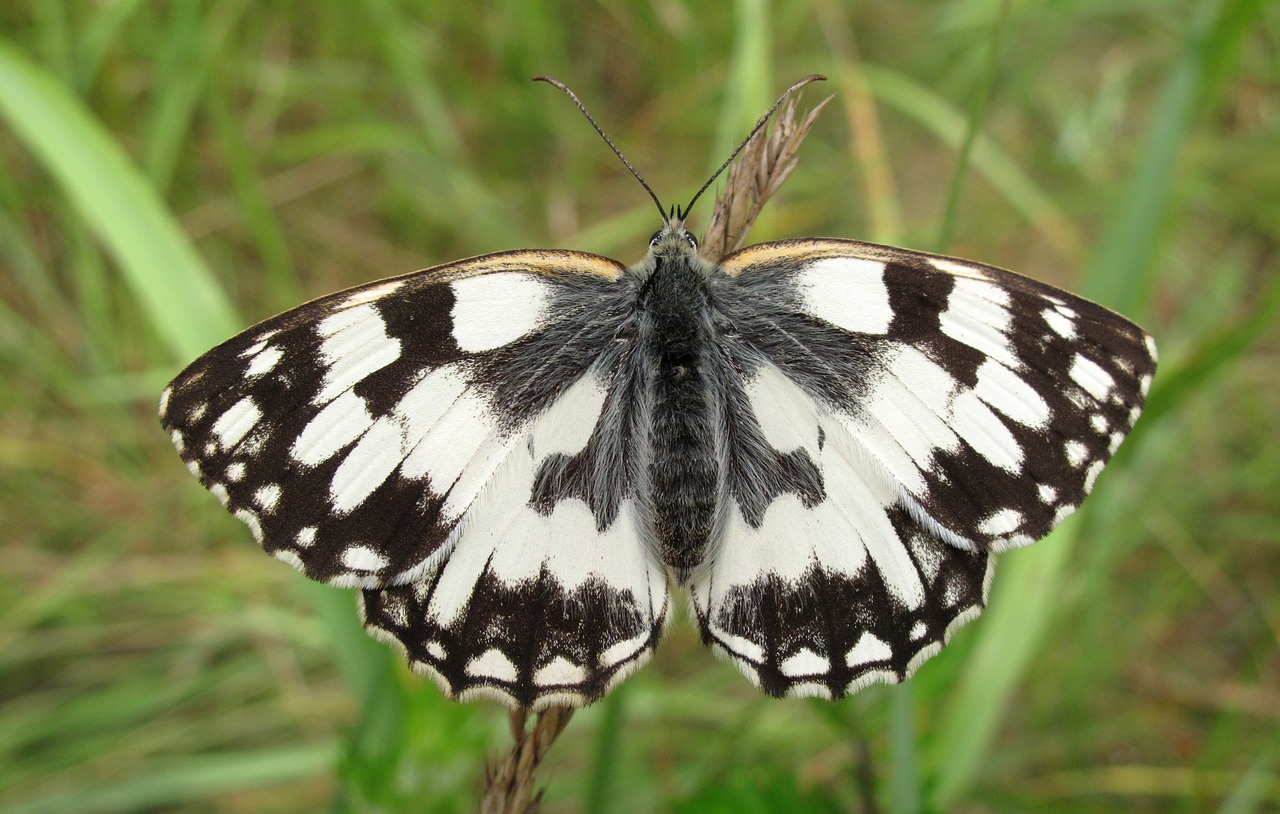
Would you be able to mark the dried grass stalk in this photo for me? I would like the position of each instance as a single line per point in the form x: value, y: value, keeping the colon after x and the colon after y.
x: 758, y: 173
x: 509, y: 785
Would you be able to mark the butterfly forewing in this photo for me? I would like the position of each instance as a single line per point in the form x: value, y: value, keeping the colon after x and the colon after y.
x: 907, y: 414
x: 392, y: 435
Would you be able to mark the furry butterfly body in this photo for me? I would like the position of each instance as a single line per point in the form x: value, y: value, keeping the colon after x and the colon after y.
x: 823, y: 441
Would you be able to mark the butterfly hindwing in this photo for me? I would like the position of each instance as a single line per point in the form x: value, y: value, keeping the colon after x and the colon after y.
x: 392, y: 437
x: 941, y: 410
x: 549, y: 595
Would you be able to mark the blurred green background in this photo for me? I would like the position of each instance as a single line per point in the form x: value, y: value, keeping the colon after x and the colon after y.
x: 170, y: 172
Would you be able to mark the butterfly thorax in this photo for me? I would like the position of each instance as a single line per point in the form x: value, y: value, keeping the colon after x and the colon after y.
x: 683, y: 477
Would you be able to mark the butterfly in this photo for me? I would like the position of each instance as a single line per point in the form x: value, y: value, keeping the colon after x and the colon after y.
x: 513, y: 457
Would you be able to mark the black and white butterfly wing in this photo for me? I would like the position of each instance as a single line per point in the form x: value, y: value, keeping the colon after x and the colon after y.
x: 390, y: 438
x: 901, y: 416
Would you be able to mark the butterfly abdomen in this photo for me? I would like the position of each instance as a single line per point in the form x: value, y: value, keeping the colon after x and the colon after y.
x: 684, y: 470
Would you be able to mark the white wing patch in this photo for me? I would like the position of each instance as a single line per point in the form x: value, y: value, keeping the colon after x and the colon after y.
x: 978, y: 315
x: 233, y: 425
x: 786, y: 413
x: 355, y: 345
x: 850, y: 293
x: 342, y: 421
x: 493, y: 310
x: 1010, y: 394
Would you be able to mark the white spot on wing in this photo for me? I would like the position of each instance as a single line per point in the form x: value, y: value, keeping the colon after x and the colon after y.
x: 368, y: 464
x: 744, y: 648
x: 251, y: 520
x: 958, y: 268
x: 342, y: 421
x: 236, y: 422
x: 786, y: 414
x: 624, y: 651
x: 355, y: 346
x: 904, y: 416
x: 164, y: 401
x: 1077, y: 452
x: 1114, y: 444
x: 1047, y: 493
x: 1007, y: 392
x: 560, y: 671
x: 235, y: 472
x: 1062, y: 326
x: 376, y: 292
x: 264, y: 361
x: 567, y: 425
x: 977, y: 314
x: 847, y: 292
x: 868, y: 648
x: 492, y: 310
x: 1001, y: 522
x: 267, y: 497
x: 1091, y: 475
x: 492, y: 664
x: 918, y: 630
x: 363, y: 558
x: 1089, y: 375
x: 291, y: 557
x: 804, y: 662
x: 306, y: 537
x: 451, y: 443
x: 985, y: 432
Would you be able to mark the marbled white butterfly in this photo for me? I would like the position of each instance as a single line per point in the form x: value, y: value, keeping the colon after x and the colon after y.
x: 824, y: 441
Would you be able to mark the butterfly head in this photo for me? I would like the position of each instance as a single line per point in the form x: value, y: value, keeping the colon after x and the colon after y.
x: 673, y: 239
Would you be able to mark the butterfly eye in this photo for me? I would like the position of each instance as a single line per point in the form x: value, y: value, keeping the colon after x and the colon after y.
x: 653, y: 241
x: 693, y: 242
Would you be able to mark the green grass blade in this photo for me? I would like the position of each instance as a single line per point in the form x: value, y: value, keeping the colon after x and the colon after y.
x: 194, y: 778
x: 1123, y: 263
x: 1022, y: 608
x: 608, y: 736
x: 748, y: 83
x: 158, y: 263
x: 904, y: 769
x: 1010, y: 632
x: 976, y: 111
x: 948, y: 124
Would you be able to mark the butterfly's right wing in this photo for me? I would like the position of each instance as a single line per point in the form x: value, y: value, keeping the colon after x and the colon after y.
x: 894, y: 418
x: 448, y: 441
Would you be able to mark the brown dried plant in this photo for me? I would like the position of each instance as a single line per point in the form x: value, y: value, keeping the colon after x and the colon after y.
x: 509, y: 785
x: 758, y: 173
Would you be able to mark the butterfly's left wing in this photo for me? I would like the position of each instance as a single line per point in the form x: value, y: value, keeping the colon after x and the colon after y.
x: 451, y: 442
x: 894, y: 418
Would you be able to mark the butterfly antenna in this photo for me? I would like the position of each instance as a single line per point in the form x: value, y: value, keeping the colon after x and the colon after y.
x: 816, y: 77
x: 551, y: 80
